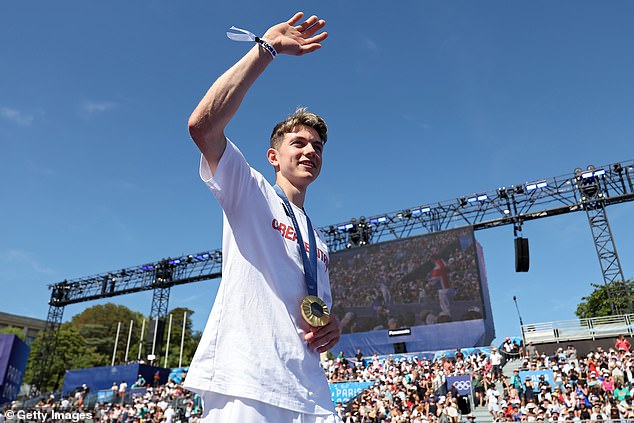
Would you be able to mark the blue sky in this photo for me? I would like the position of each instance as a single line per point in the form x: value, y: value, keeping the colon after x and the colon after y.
x: 426, y: 101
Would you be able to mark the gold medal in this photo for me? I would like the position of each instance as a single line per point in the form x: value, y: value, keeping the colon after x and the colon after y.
x: 315, y: 311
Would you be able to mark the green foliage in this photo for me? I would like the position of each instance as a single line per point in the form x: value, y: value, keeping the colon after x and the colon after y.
x: 71, y: 352
x: 98, y: 325
x: 10, y: 330
x: 598, y: 303
x: 88, y: 341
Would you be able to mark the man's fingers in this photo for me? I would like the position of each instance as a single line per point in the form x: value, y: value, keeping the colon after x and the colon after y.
x: 311, y: 30
x: 316, y: 39
x: 323, y: 338
x: 296, y: 18
x: 306, y: 24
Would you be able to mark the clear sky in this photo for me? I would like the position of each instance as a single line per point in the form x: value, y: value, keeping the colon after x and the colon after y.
x: 426, y: 101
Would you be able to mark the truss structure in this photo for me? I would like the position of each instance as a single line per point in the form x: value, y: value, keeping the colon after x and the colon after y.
x: 590, y: 190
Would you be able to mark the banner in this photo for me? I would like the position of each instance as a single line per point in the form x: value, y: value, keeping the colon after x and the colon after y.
x: 14, y: 354
x: 345, y: 391
x: 534, y: 375
x: 462, y: 383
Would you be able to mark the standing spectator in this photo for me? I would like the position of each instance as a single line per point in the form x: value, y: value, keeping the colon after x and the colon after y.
x: 622, y: 345
x: 479, y: 389
x: 123, y: 387
x: 529, y: 390
x: 531, y: 351
x: 509, y: 349
x: 115, y: 389
x: 496, y: 364
x: 459, y: 354
x: 493, y: 401
x: 169, y: 414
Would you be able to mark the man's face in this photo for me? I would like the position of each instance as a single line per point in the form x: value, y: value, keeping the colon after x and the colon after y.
x: 298, y: 157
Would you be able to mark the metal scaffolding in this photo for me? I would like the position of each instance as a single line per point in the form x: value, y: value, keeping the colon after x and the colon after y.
x: 591, y: 191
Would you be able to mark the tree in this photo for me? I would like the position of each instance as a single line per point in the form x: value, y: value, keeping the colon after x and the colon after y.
x: 598, y: 303
x: 10, y: 330
x: 71, y: 352
x: 98, y: 326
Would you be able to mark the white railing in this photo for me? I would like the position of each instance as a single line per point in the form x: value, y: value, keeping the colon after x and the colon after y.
x: 571, y: 330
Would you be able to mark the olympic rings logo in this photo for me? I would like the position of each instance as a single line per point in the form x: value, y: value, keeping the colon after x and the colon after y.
x: 462, y: 385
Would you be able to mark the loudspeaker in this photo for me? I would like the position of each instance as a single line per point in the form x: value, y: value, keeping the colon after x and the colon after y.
x: 159, y: 335
x: 522, y: 260
x: 399, y: 348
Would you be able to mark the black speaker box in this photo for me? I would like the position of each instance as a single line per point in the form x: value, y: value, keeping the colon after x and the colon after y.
x: 522, y: 261
x: 399, y: 348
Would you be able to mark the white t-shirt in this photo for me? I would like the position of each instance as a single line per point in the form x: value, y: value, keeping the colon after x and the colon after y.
x: 253, y: 345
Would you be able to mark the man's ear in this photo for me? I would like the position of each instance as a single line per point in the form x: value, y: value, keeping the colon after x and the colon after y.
x: 271, y: 155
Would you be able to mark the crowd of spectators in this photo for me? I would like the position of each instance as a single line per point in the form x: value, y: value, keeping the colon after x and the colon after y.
x: 598, y: 386
x: 407, y: 389
x: 168, y: 403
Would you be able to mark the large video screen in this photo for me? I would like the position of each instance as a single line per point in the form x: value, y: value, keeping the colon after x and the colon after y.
x: 422, y: 280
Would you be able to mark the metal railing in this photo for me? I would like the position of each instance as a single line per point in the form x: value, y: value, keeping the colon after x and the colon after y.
x: 571, y: 330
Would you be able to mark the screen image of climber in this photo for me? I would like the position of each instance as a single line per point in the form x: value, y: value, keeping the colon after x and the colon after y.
x: 422, y: 280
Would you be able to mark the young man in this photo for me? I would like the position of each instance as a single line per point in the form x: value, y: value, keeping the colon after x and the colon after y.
x: 258, y: 359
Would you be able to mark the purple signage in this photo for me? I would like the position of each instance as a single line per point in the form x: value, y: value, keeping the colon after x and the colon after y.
x: 14, y: 354
x: 462, y: 384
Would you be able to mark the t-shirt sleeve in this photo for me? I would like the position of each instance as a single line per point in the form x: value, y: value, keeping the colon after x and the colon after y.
x: 234, y: 179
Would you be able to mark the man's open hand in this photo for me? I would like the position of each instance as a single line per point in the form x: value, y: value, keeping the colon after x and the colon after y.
x: 295, y: 38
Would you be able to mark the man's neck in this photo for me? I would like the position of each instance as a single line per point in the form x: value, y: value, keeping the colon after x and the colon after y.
x: 295, y: 195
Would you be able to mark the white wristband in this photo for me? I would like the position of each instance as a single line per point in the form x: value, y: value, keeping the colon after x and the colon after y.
x: 249, y: 36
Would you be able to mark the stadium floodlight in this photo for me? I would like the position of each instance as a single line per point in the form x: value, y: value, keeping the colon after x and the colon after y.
x: 587, y: 175
x: 506, y: 211
x: 482, y: 197
x: 377, y: 220
x: 599, y: 172
x: 472, y: 199
x: 462, y: 201
x: 345, y: 228
x: 175, y: 261
x: 535, y: 185
x: 425, y: 209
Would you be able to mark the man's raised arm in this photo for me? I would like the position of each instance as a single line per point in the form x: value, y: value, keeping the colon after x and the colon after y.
x: 220, y: 103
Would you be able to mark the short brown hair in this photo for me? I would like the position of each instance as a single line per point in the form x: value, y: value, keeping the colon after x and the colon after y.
x: 301, y: 116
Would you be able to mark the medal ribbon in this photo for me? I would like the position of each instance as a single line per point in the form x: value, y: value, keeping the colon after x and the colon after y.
x: 308, y: 259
